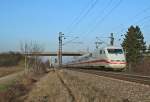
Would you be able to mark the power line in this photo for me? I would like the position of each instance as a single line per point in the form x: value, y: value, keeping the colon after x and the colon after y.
x: 105, y: 16
x: 83, y: 15
x: 135, y: 17
x: 86, y: 13
x: 141, y: 12
x: 144, y: 18
x: 103, y: 9
x: 141, y: 20
x: 70, y: 40
x: 145, y: 26
x: 135, y: 23
x: 80, y: 14
x: 100, y: 12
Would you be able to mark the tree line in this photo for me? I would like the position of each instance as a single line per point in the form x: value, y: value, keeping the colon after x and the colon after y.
x: 10, y: 59
x: 33, y: 64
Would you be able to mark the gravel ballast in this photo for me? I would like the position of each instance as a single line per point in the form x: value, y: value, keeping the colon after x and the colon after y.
x: 72, y: 86
x: 123, y: 91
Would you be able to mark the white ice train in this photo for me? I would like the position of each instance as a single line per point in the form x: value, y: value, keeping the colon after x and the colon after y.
x: 108, y: 57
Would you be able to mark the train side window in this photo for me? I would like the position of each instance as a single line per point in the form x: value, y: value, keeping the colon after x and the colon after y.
x: 104, y: 52
x: 86, y: 57
x: 100, y: 52
x: 90, y: 55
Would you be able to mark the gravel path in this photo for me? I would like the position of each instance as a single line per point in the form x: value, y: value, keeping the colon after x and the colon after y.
x: 11, y: 77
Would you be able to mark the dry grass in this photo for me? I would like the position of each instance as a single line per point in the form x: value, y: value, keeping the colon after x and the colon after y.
x: 4, y: 71
x: 49, y: 89
x: 63, y: 87
x: 70, y: 86
x: 85, y: 91
x: 143, y: 67
x: 16, y: 91
x: 8, y: 80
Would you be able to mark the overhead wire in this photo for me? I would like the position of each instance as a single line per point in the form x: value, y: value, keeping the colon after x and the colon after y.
x: 136, y: 23
x: 144, y: 18
x: 141, y: 20
x: 82, y: 15
x: 100, y: 13
x: 105, y: 16
x: 135, y: 17
x: 77, y: 17
x: 86, y: 13
x: 142, y: 11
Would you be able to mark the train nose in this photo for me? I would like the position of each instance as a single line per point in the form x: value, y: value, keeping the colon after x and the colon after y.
x: 117, y: 64
x: 123, y: 65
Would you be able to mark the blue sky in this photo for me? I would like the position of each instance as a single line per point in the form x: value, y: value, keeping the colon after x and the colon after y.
x: 41, y: 20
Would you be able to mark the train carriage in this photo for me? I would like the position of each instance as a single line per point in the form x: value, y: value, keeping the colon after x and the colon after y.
x: 108, y: 57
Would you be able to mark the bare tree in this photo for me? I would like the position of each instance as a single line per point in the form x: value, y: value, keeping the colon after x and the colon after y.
x: 32, y: 63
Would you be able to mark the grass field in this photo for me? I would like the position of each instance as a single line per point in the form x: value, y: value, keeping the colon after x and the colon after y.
x: 4, y: 71
x: 3, y: 87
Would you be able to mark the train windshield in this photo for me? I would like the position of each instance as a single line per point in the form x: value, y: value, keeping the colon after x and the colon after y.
x: 115, y: 51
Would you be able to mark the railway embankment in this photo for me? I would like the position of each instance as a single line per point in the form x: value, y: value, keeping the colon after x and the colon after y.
x: 120, y: 90
x: 71, y: 86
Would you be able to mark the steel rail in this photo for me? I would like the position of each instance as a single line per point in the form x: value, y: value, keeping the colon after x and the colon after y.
x: 118, y: 75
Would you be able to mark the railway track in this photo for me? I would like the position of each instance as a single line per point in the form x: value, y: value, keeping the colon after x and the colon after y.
x: 118, y: 75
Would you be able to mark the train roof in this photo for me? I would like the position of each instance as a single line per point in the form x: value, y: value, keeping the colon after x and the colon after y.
x: 113, y: 47
x: 109, y: 47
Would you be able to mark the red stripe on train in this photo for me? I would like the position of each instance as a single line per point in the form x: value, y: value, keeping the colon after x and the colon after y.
x: 101, y: 61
